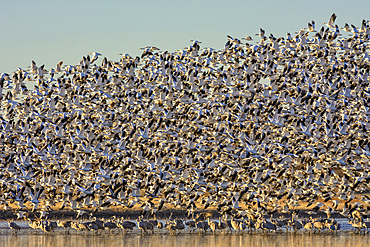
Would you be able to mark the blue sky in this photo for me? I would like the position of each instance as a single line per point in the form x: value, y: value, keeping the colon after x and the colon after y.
x: 52, y: 31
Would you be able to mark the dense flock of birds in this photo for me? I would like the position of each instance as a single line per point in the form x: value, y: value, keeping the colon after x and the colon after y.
x: 252, y: 129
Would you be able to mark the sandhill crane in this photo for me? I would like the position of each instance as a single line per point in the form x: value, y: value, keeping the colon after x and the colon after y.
x: 268, y: 226
x: 110, y: 226
x: 149, y: 227
x: 280, y: 223
x: 295, y: 225
x: 126, y: 225
x: 15, y: 228
x: 153, y: 222
x: 170, y: 225
x: 319, y: 225
x: 74, y: 225
x: 66, y: 224
x: 98, y: 224
x: 53, y: 225
x: 94, y: 227
x: 235, y: 225
x: 222, y: 225
x: 366, y: 225
x: 34, y: 224
x: 250, y: 222
x: 202, y: 225
x: 264, y: 225
x: 159, y: 225
x: 243, y: 225
x: 83, y: 227
x: 46, y: 227
x: 79, y: 226
x: 141, y: 225
x: 191, y: 224
x: 334, y: 226
x: 357, y: 225
x: 175, y: 225
x: 144, y: 225
x: 179, y: 224
x: 309, y: 225
x: 213, y: 225
x: 356, y: 215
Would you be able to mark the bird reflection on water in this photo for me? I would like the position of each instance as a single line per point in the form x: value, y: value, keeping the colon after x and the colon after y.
x: 186, y: 240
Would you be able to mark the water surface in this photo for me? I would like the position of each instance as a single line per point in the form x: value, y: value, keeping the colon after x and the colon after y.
x: 164, y: 240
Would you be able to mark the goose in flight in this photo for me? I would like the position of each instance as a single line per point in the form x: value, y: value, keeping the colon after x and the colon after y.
x: 35, y: 196
x: 247, y: 38
x: 311, y: 27
x: 261, y: 33
x: 331, y: 21
x: 148, y: 50
x: 95, y: 55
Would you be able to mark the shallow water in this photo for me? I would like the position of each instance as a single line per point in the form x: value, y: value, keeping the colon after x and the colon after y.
x: 276, y: 240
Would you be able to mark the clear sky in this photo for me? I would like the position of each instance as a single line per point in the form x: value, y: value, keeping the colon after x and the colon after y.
x: 52, y: 31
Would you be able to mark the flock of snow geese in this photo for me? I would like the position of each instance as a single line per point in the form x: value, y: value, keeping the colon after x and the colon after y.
x: 253, y: 129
